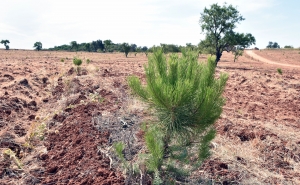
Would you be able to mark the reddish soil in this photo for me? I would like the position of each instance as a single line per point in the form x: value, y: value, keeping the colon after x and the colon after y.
x: 283, y: 56
x: 287, y: 61
x: 39, y: 89
x: 257, y: 138
x: 85, y: 113
x: 73, y: 156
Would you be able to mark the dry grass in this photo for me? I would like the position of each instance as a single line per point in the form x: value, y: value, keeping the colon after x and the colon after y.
x: 255, y: 161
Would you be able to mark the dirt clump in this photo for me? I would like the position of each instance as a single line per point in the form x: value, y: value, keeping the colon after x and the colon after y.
x: 73, y: 156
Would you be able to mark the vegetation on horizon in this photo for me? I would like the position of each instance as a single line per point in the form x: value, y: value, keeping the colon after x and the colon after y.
x: 5, y: 42
x: 109, y: 46
x: 273, y: 45
x: 126, y: 48
x: 288, y: 47
x: 38, y: 46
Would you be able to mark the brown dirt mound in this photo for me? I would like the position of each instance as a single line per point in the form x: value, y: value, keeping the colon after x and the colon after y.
x: 73, y: 156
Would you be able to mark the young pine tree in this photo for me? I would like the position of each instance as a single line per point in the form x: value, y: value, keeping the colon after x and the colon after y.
x: 186, y: 97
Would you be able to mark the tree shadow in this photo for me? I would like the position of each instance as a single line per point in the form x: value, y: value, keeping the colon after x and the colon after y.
x: 235, y: 68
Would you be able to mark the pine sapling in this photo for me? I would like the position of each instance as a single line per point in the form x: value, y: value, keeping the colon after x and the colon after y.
x: 77, y: 62
x: 187, y: 99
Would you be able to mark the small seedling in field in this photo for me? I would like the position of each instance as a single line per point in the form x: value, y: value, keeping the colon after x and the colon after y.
x: 62, y: 60
x: 119, y: 147
x: 36, y: 131
x: 95, y: 97
x: 279, y: 71
x: 10, y: 155
x: 127, y: 167
x: 77, y: 62
x: 88, y: 61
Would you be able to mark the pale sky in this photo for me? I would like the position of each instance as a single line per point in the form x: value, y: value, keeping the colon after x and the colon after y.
x: 142, y: 22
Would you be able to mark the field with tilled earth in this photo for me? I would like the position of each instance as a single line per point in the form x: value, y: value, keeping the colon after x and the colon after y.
x: 60, y: 125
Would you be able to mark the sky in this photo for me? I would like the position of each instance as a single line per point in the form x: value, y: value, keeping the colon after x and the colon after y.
x: 141, y: 22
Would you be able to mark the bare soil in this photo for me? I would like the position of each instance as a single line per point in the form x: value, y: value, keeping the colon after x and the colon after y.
x: 277, y: 59
x: 62, y: 124
x: 283, y: 56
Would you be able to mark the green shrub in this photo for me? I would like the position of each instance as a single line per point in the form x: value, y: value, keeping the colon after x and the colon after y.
x: 62, y: 60
x: 155, y: 145
x: 279, y: 71
x: 187, y: 99
x: 88, y: 61
x: 237, y: 53
x: 126, y: 47
x: 119, y: 147
x: 77, y: 62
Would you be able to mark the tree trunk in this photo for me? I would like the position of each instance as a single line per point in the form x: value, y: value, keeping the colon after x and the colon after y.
x: 218, y: 56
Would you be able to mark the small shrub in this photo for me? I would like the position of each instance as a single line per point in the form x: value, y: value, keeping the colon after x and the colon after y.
x: 119, y: 147
x: 62, y: 60
x: 237, y: 53
x: 11, y: 155
x: 77, y: 62
x: 279, y: 71
x: 95, y: 97
x: 88, y: 61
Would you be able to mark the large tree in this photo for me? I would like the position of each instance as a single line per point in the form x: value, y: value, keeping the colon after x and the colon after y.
x: 218, y: 23
x: 5, y: 42
x: 74, y: 45
x: 107, y: 44
x: 87, y: 47
x: 273, y: 45
x: 38, y: 46
x: 126, y: 47
x: 97, y: 45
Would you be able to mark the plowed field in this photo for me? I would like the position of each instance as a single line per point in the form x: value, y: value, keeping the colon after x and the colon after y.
x: 60, y: 123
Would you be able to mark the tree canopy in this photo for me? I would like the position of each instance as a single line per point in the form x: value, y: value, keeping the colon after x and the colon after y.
x: 126, y: 48
x: 38, y: 46
x: 5, y: 42
x: 273, y: 45
x: 107, y: 44
x: 289, y: 47
x: 74, y: 45
x: 218, y: 24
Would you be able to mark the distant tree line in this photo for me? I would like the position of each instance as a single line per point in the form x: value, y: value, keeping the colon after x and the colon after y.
x: 109, y: 46
x: 99, y: 46
x: 288, y: 47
